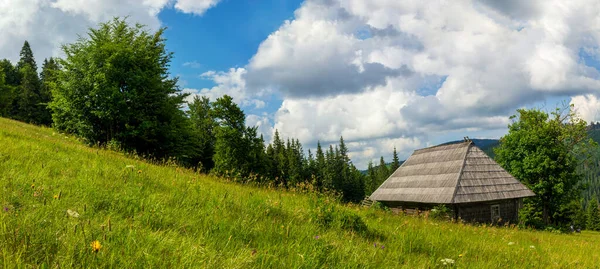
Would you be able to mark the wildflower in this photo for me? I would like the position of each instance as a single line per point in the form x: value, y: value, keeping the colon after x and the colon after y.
x: 96, y: 246
x: 460, y: 255
x: 72, y: 213
x: 317, y: 237
x: 511, y: 243
x: 532, y: 247
x: 130, y: 166
x: 382, y: 246
x: 139, y: 171
x: 6, y: 209
x: 375, y: 245
x: 447, y: 261
x: 32, y: 186
x: 55, y: 196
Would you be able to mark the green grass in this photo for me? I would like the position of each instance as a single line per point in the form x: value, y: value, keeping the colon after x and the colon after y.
x: 164, y: 216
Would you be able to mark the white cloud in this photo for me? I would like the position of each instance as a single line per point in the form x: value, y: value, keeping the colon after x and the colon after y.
x: 197, y: 7
x: 193, y: 64
x: 47, y: 24
x: 364, y: 69
x: 587, y: 106
x: 229, y: 83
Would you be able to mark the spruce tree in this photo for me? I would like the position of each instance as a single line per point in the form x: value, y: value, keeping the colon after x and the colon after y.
x: 48, y: 77
x: 593, y: 215
x: 28, y: 105
x: 202, y: 123
x: 395, y: 162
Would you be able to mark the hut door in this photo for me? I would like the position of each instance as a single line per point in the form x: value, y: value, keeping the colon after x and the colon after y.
x: 495, y: 212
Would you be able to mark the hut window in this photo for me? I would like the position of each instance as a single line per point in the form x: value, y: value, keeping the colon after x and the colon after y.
x: 495, y: 212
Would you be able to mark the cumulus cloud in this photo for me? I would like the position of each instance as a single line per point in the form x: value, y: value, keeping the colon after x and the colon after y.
x: 364, y: 69
x: 47, y: 24
x: 229, y: 83
x: 587, y: 106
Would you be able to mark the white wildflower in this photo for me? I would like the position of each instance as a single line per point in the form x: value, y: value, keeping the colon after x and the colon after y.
x: 72, y: 213
x: 511, y: 243
x: 447, y: 261
x: 532, y: 247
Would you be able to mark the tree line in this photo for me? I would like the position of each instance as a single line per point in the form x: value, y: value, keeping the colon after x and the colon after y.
x: 113, y: 89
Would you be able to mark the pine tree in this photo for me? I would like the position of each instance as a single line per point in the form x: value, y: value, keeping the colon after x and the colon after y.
x: 593, y: 215
x: 320, y: 167
x: 372, y: 178
x: 8, y: 89
x: 28, y: 106
x: 49, y: 78
x: 26, y: 57
x: 395, y: 162
x: 382, y: 172
x: 202, y: 122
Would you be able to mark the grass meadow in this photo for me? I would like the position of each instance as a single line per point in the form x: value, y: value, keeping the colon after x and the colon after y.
x: 65, y: 205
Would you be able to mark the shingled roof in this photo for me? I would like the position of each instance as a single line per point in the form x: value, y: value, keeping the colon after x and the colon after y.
x: 450, y: 174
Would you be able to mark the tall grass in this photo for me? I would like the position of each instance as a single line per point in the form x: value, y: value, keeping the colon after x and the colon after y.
x: 58, y: 196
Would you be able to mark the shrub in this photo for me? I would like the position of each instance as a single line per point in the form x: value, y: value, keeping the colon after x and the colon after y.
x: 440, y: 212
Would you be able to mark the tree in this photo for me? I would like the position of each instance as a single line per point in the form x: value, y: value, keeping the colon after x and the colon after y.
x: 395, y: 162
x: 203, y: 124
x: 49, y: 77
x: 593, y: 215
x: 230, y: 148
x: 382, y: 172
x: 27, y: 58
x: 541, y: 151
x: 27, y: 105
x: 115, y: 87
x: 9, y: 80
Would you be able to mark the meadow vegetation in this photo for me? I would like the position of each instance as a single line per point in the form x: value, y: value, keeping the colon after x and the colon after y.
x: 65, y: 204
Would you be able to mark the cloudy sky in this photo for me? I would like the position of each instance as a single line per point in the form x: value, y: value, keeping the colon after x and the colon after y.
x: 380, y: 73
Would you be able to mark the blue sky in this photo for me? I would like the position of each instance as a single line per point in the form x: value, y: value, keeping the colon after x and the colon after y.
x: 227, y: 36
x: 380, y: 73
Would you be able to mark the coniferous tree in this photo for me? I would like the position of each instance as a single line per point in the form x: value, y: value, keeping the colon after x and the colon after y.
x: 8, y: 89
x: 202, y: 123
x: 320, y: 167
x: 28, y: 105
x: 593, y: 215
x: 372, y: 178
x: 49, y: 78
x: 395, y: 162
x: 382, y: 172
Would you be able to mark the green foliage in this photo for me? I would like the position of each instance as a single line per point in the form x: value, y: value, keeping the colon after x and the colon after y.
x: 203, y: 124
x: 395, y: 162
x: 440, y: 212
x: 115, y: 85
x: 593, y: 216
x: 541, y: 151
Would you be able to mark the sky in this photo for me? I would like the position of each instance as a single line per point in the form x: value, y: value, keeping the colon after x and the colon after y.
x: 382, y: 74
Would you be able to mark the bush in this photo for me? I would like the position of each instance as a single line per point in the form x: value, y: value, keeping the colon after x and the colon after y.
x: 440, y: 212
x: 350, y: 221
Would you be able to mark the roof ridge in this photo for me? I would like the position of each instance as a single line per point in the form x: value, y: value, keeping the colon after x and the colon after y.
x: 464, y: 162
x: 444, y: 145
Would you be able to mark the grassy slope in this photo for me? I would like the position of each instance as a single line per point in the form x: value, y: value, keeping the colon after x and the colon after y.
x: 169, y: 217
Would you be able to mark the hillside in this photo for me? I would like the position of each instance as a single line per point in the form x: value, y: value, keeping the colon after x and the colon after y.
x: 58, y: 196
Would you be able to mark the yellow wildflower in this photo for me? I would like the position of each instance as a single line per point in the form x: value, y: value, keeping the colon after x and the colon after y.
x: 96, y: 246
x: 460, y: 255
x: 139, y: 171
x: 56, y: 196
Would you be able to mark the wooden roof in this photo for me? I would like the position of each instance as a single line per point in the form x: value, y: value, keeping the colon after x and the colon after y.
x: 450, y: 174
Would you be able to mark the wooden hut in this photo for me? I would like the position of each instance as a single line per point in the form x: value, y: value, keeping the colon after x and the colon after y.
x: 460, y: 176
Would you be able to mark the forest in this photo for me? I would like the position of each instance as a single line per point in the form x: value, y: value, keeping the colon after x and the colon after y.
x: 113, y: 89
